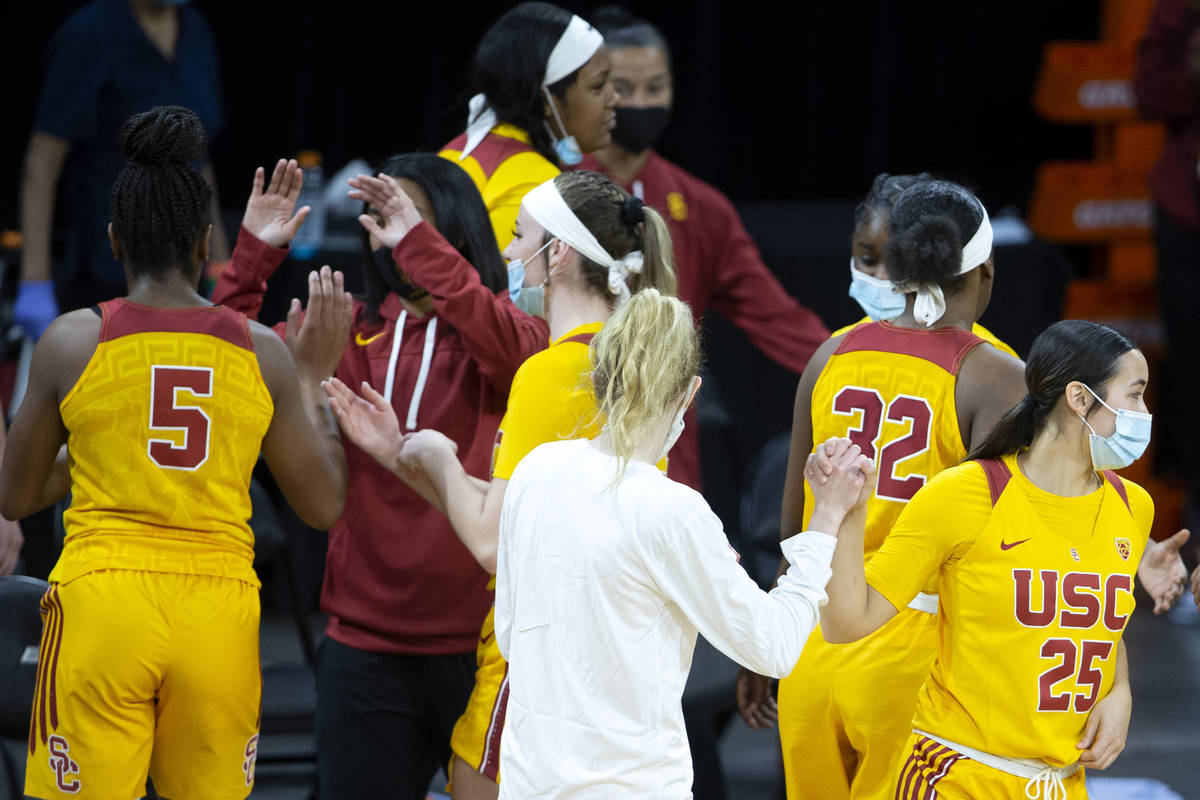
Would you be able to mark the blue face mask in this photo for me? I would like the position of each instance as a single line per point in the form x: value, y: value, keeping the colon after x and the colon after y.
x: 567, y: 148
x: 875, y: 295
x: 527, y: 298
x: 1127, y: 443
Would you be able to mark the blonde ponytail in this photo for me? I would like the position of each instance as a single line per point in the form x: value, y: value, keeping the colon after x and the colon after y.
x: 658, y: 257
x: 643, y: 360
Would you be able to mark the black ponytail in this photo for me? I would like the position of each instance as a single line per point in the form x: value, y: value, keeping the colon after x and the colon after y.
x: 1070, y: 350
x: 161, y: 205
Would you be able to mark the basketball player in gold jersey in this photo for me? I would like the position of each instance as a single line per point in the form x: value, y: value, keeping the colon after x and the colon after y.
x: 1034, y: 545
x: 914, y: 394
x: 149, y: 657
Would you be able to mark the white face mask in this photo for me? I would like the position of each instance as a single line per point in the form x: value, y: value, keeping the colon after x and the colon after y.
x: 677, y: 425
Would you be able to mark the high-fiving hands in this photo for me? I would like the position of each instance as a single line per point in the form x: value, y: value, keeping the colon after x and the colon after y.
x: 269, y: 212
x: 394, y: 206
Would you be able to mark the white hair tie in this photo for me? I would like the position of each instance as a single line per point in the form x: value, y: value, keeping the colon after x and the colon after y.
x: 546, y: 205
x: 930, y: 305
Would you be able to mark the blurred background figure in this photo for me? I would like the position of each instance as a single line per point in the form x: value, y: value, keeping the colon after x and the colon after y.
x: 109, y: 60
x: 718, y: 264
x: 1167, y: 87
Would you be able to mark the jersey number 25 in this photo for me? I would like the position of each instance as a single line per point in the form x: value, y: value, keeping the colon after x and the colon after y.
x: 169, y: 413
x: 868, y: 405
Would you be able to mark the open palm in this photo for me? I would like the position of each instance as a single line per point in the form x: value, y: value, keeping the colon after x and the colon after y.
x: 269, y: 212
x: 367, y: 420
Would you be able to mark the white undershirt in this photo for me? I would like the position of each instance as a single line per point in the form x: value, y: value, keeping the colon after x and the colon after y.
x: 599, y: 597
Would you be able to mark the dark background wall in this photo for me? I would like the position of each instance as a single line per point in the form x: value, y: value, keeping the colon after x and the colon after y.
x: 775, y: 101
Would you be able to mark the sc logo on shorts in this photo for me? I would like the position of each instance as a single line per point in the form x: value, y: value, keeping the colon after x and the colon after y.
x: 63, y: 765
x: 251, y: 753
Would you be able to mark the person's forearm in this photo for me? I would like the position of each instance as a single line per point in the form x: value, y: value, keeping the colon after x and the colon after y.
x: 316, y: 405
x: 462, y: 500
x: 43, y: 164
x: 420, y: 483
x: 842, y: 616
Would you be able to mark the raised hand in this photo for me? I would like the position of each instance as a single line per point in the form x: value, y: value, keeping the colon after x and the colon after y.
x: 317, y: 338
x: 269, y: 212
x: 394, y: 206
x: 1162, y: 572
x: 369, y: 421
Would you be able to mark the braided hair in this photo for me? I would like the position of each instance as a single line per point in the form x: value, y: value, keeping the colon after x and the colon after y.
x: 160, y: 203
x: 621, y: 224
x: 884, y: 191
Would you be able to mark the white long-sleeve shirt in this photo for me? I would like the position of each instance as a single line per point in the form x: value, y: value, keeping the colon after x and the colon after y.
x: 599, y: 595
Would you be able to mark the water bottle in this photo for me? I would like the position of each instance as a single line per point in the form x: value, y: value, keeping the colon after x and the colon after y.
x: 311, y: 236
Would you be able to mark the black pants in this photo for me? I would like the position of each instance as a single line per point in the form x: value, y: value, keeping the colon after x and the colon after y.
x: 1178, y: 424
x: 384, y: 719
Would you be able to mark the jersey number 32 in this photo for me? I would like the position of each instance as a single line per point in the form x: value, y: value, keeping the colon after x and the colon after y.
x: 868, y: 406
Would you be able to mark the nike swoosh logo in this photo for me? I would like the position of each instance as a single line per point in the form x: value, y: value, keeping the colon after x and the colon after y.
x: 486, y: 639
x: 359, y: 340
x: 1008, y: 545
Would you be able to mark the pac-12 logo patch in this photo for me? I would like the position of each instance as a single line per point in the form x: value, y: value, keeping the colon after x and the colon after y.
x: 63, y: 765
x: 1123, y: 548
x: 251, y: 753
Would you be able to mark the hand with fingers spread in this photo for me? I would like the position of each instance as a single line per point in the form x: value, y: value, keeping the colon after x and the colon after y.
x: 317, y: 337
x: 269, y: 212
x: 1162, y: 572
x: 369, y: 421
x: 1106, y: 729
x: 393, y: 204
x: 756, y: 700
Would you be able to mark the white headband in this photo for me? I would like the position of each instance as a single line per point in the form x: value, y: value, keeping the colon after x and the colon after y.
x: 547, y: 206
x: 578, y: 43
x: 931, y: 301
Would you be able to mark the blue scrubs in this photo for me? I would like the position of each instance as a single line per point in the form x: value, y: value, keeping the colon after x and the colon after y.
x: 100, y: 69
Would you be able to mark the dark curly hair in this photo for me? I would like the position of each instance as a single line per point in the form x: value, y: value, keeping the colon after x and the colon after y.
x: 931, y: 221
x: 160, y: 204
x: 884, y: 191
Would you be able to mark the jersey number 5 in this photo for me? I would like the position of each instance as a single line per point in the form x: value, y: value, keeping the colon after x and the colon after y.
x: 869, y: 405
x: 167, y: 413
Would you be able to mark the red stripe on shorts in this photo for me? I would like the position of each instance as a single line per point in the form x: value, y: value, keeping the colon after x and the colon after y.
x: 931, y: 792
x: 490, y: 766
x: 912, y: 768
x: 38, y: 712
x: 54, y: 665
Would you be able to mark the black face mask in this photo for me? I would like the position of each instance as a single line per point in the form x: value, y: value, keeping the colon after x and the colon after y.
x: 396, y: 280
x: 639, y: 128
